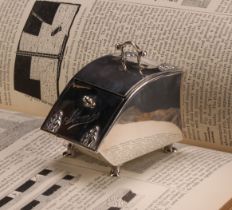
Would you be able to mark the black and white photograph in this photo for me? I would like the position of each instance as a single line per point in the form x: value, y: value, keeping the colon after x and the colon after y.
x: 41, y: 48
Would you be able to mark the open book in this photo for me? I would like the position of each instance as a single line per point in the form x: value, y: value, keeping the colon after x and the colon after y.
x: 44, y: 43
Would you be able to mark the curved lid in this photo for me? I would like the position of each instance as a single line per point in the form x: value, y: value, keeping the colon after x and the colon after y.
x: 107, y: 73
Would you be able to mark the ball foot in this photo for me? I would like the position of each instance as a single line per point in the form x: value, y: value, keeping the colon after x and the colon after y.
x: 71, y: 151
x: 169, y: 149
x: 115, y: 171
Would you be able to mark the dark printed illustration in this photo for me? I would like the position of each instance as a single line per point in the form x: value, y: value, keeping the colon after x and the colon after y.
x: 41, y: 48
x: 51, y: 193
x: 119, y: 200
x: 196, y: 3
x: 62, y: 179
x: 30, y: 184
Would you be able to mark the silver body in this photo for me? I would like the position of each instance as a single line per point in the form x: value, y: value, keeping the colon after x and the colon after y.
x: 113, y: 113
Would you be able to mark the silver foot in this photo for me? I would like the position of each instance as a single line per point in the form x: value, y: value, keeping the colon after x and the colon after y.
x: 70, y: 152
x: 115, y: 171
x: 169, y: 149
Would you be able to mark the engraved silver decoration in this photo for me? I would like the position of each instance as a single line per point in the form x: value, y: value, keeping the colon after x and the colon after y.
x: 167, y: 67
x: 55, y: 122
x: 90, y: 138
x: 89, y: 102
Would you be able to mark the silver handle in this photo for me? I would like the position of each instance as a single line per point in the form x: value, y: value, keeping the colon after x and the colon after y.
x: 139, y: 53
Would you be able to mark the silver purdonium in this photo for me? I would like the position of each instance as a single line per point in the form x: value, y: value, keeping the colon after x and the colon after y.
x: 118, y: 108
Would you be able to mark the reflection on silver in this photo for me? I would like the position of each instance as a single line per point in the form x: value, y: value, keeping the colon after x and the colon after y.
x: 166, y: 67
x: 133, y: 114
x: 90, y: 138
x: 55, y: 122
x: 89, y: 102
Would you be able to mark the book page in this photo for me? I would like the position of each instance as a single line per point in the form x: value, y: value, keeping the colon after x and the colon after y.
x: 14, y: 125
x: 35, y: 175
x: 40, y: 53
